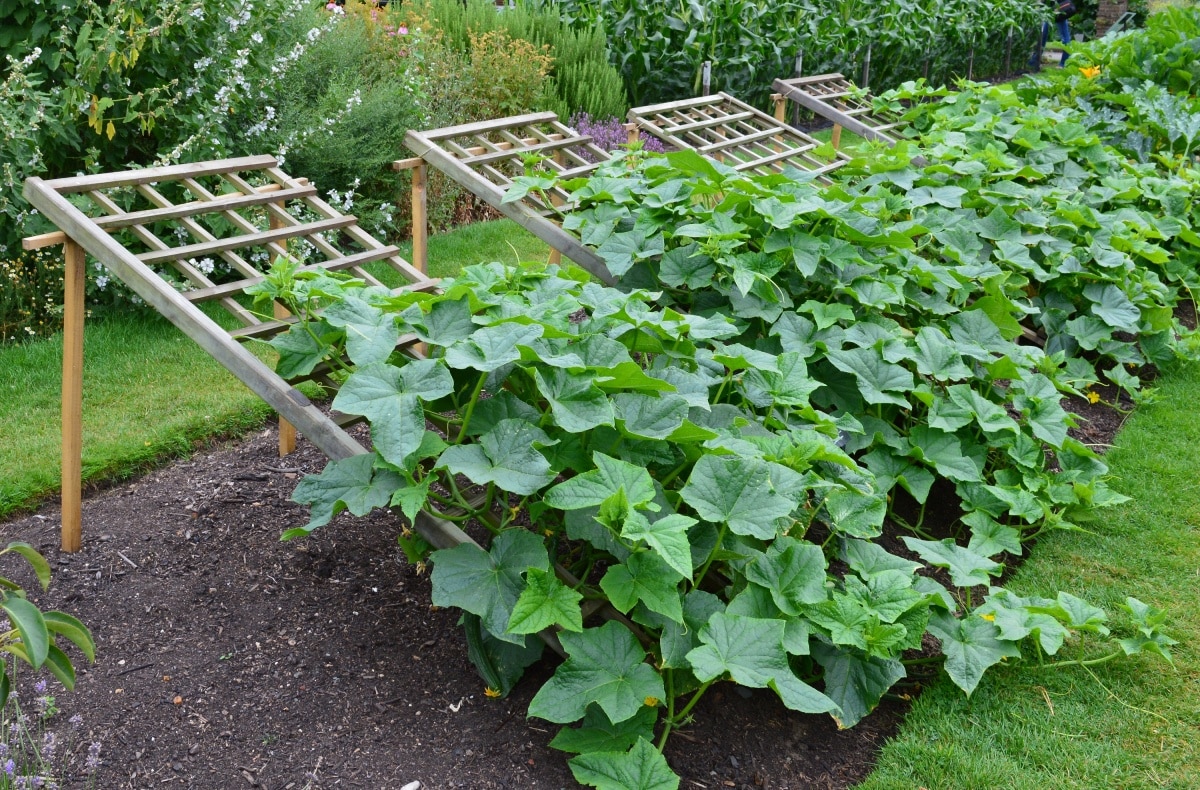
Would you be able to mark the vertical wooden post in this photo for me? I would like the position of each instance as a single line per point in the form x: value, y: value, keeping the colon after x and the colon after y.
x: 287, y: 431
x: 866, y: 81
x: 631, y: 133
x: 72, y: 397
x: 420, y: 218
x: 836, y: 137
x: 556, y: 256
x: 780, y: 115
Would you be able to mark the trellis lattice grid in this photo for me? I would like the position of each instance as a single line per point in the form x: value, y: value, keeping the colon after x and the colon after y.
x: 736, y: 134
x: 835, y: 98
x: 485, y: 157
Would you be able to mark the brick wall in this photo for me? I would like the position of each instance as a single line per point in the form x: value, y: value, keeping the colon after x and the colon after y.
x: 1107, y: 13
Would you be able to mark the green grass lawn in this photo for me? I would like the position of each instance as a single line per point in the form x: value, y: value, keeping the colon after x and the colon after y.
x: 1130, y: 723
x: 150, y: 393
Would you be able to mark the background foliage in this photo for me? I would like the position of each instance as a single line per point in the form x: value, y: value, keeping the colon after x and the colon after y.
x: 660, y: 45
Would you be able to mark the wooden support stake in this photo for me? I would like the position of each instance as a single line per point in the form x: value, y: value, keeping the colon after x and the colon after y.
x: 632, y: 135
x: 420, y: 218
x: 780, y: 107
x: 72, y: 397
x: 836, y: 137
x: 287, y: 431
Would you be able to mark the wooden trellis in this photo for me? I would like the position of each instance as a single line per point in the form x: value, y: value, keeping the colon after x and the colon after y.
x: 734, y: 133
x: 485, y: 157
x: 179, y: 221
x: 833, y: 97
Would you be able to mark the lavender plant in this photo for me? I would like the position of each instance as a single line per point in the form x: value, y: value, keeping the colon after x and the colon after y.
x: 610, y: 134
x: 37, y: 751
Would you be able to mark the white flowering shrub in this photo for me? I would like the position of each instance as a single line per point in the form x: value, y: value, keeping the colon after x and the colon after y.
x: 94, y: 85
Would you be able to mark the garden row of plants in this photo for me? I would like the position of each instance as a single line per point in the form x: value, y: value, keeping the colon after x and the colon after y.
x: 661, y: 46
x: 100, y: 86
x: 731, y: 458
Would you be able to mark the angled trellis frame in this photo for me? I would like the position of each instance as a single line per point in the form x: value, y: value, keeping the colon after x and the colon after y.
x: 142, y: 224
x: 833, y: 97
x: 485, y: 157
x: 734, y: 133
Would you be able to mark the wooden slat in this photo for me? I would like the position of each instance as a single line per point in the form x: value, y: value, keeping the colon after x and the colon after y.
x: 516, y: 153
x: 74, y: 280
x: 224, y: 202
x: 709, y: 122
x: 746, y: 140
x: 467, y: 129
x: 66, y: 186
x: 795, y: 90
x: 247, y: 240
x: 356, y: 234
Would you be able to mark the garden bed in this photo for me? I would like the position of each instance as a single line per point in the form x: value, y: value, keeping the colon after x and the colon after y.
x: 227, y: 658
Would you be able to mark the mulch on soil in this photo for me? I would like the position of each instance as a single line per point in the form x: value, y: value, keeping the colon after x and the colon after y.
x: 229, y: 659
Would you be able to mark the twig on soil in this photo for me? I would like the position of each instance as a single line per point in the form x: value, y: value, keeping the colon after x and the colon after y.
x: 132, y: 564
x: 138, y: 668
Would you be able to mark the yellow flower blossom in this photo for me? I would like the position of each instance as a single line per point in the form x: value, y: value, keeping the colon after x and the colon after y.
x: 1091, y: 72
x: 491, y: 693
x: 1093, y: 397
x: 651, y: 702
x: 991, y: 618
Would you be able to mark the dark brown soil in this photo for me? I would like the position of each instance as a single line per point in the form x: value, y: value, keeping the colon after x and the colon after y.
x: 229, y: 659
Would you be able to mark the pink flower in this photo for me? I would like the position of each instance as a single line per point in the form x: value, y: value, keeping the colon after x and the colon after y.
x: 330, y: 6
x: 404, y: 30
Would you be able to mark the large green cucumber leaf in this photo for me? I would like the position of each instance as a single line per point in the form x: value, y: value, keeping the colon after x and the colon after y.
x: 595, y: 487
x: 492, y: 347
x: 371, y: 334
x: 577, y: 403
x: 971, y: 646
x: 794, y: 573
x: 352, y: 484
x: 650, y: 416
x: 967, y: 568
x: 390, y: 398
x: 544, y: 602
x: 856, y: 682
x: 641, y: 768
x: 644, y: 577
x: 598, y: 734
x: 737, y: 491
x: 605, y: 666
x: 506, y: 455
x: 856, y: 514
x: 668, y: 536
x: 750, y: 650
x: 488, y: 583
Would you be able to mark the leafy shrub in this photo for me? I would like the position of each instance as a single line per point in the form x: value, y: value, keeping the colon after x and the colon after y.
x: 581, y: 79
x: 96, y: 85
x: 338, y: 113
